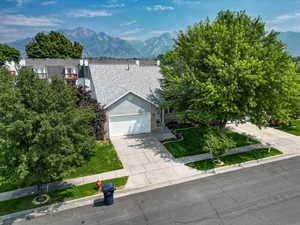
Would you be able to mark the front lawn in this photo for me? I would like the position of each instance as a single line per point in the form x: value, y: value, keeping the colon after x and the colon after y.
x: 192, y: 144
x: 19, y: 204
x: 104, y: 160
x: 293, y: 129
x: 235, y: 159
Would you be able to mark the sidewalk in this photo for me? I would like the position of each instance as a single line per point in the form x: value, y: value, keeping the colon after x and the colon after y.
x: 64, y: 184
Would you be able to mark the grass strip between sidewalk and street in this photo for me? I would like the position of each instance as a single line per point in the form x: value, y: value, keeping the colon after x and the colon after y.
x: 235, y: 159
x: 24, y: 203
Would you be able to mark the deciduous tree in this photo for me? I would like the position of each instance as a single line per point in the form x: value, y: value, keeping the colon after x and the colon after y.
x: 8, y: 54
x: 230, y: 69
x: 53, y: 45
x: 44, y: 135
x: 85, y: 100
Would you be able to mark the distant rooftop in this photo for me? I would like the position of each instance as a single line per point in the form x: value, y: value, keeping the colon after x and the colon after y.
x: 103, y: 61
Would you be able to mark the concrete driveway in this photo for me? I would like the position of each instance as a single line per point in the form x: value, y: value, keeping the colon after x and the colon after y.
x: 147, y: 161
x: 287, y: 143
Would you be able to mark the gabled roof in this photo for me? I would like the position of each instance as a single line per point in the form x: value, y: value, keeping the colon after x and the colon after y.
x: 127, y: 93
x: 112, y: 82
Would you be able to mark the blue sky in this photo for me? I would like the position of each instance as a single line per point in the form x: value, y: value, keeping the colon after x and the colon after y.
x: 134, y: 19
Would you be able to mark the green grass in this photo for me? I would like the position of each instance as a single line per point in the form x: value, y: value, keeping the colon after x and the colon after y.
x: 105, y: 159
x: 19, y: 204
x: 235, y: 159
x: 192, y: 144
x: 293, y: 129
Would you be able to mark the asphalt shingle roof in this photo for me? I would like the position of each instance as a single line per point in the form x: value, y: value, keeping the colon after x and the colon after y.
x: 52, y: 62
x: 113, y: 81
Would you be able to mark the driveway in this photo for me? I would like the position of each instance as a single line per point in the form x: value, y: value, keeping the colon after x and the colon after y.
x: 147, y: 161
x: 287, y: 143
x: 264, y: 195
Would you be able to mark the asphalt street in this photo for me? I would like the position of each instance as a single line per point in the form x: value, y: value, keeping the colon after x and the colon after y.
x: 264, y: 195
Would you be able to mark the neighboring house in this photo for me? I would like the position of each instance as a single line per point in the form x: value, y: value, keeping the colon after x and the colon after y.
x: 128, y: 88
x: 13, y: 67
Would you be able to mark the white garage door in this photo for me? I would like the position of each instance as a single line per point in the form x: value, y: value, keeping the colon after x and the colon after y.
x: 131, y: 124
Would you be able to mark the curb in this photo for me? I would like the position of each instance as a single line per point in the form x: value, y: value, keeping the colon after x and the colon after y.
x: 59, y: 207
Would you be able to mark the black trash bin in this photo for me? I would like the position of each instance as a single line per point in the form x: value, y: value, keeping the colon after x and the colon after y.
x: 108, y: 192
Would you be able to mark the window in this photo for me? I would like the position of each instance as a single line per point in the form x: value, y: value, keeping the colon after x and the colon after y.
x: 41, y: 72
x: 70, y: 70
x: 71, y: 73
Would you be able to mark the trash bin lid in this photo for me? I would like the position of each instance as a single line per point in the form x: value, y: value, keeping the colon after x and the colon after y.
x: 108, y: 187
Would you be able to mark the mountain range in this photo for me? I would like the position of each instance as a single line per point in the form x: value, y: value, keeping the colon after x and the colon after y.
x: 100, y: 44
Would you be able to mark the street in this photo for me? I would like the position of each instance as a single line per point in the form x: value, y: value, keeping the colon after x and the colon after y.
x: 268, y: 194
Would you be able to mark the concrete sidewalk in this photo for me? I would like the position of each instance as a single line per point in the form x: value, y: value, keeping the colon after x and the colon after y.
x: 64, y: 184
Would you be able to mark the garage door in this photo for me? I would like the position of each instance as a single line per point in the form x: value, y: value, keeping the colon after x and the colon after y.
x: 130, y: 124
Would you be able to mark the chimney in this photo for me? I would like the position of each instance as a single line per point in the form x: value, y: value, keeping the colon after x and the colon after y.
x: 137, y: 62
x: 158, y: 62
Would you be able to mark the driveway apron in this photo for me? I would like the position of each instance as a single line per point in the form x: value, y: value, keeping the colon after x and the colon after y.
x: 147, y: 161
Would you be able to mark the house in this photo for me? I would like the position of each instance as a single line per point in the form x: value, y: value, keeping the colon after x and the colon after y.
x: 128, y: 88
x: 13, y: 67
x: 130, y: 92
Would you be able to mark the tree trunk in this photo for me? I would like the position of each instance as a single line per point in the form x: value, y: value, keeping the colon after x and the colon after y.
x: 39, y: 192
x: 221, y: 126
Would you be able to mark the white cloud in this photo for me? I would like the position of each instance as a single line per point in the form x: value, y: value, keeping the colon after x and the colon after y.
x: 134, y: 31
x: 89, y: 13
x: 48, y: 3
x: 115, y: 5
x: 19, y: 3
x: 287, y: 22
x: 128, y: 23
x: 21, y: 20
x: 285, y: 18
x: 129, y: 38
x: 159, y: 32
x: 159, y: 8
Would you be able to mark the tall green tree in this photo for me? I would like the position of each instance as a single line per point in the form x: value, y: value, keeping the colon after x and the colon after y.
x: 53, y: 45
x: 230, y: 69
x: 44, y: 135
x: 8, y: 54
x: 85, y: 100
